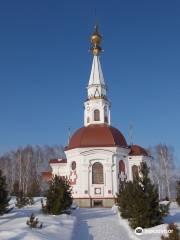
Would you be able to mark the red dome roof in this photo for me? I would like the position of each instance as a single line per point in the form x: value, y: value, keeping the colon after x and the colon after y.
x: 137, y: 151
x: 97, y: 135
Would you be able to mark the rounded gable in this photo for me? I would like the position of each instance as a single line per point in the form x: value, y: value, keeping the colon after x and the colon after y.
x: 136, y: 150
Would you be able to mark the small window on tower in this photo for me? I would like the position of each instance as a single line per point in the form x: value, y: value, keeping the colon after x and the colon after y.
x: 96, y: 115
x: 105, y: 114
x: 88, y: 120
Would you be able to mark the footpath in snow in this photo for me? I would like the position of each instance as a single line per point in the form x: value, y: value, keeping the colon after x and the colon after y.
x: 98, y: 224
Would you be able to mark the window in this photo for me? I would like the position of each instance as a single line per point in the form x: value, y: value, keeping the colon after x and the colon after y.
x: 88, y: 120
x: 135, y: 171
x: 97, y: 173
x: 121, y: 166
x: 105, y: 115
x: 122, y: 175
x: 96, y: 115
x: 73, y: 165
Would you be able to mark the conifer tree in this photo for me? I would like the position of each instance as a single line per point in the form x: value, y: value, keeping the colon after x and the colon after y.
x: 178, y: 192
x: 139, y: 203
x: 21, y: 199
x: 173, y: 234
x: 58, y: 196
x: 33, y: 191
x: 4, y: 196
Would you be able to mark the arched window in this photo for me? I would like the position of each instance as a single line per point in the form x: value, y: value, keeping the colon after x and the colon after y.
x: 105, y: 115
x: 97, y: 173
x: 96, y: 115
x: 122, y: 175
x: 121, y: 166
x: 135, y: 171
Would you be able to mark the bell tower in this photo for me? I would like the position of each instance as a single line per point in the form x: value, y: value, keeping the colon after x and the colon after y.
x: 97, y: 106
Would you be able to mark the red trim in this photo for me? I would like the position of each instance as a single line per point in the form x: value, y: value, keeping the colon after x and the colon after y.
x: 136, y: 150
x: 58, y: 161
x: 93, y: 146
x: 70, y: 180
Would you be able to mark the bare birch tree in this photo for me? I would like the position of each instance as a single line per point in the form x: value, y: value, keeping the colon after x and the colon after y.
x: 23, y: 166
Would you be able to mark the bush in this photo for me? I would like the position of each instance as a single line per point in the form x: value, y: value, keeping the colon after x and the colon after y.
x: 58, y: 196
x: 30, y: 198
x: 173, y: 233
x: 138, y: 201
x: 34, y: 223
x: 4, y: 196
x: 23, y: 200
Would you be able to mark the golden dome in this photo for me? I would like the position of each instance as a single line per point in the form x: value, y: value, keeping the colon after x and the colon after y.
x: 96, y: 37
x: 96, y: 40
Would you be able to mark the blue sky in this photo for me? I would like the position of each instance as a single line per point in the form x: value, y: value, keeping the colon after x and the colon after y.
x: 45, y: 67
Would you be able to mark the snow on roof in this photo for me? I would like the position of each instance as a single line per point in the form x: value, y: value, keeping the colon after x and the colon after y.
x: 58, y: 160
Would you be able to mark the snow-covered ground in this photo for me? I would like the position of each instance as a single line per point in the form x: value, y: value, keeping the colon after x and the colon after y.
x: 85, y: 224
x: 13, y: 225
x: 156, y: 232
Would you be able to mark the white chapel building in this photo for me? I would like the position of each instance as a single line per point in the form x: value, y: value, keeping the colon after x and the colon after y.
x: 98, y: 159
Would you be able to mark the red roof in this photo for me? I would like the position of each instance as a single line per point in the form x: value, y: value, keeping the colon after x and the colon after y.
x: 46, y: 176
x: 97, y: 135
x: 137, y: 151
x: 58, y: 160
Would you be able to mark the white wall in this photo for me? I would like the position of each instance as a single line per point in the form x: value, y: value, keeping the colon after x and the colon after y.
x: 109, y: 157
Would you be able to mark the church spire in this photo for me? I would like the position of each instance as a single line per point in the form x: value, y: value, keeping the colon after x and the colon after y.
x: 97, y: 106
x: 96, y: 86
